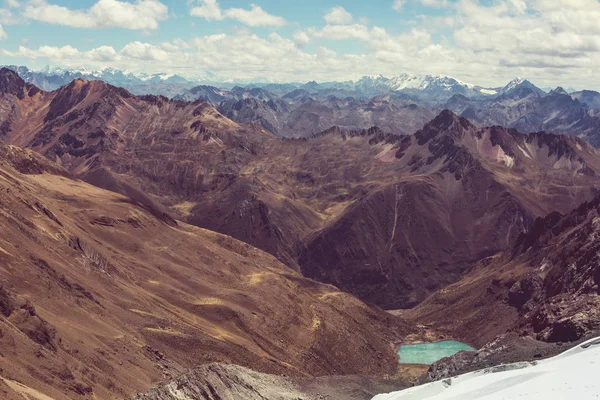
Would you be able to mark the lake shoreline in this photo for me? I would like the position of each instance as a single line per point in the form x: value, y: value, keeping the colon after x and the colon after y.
x: 426, y: 353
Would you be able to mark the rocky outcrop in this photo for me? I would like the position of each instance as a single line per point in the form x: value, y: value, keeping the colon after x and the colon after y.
x: 230, y: 382
x: 507, y: 351
x: 224, y: 382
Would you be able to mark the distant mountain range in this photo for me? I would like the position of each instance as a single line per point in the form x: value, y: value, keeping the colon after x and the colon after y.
x: 428, y: 89
x: 527, y: 108
x: 399, y: 105
x: 138, y: 83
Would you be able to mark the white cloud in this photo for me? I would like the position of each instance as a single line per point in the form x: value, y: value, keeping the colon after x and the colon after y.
x: 144, y: 51
x: 435, y: 3
x: 141, y: 15
x: 338, y: 16
x: 207, y: 9
x: 243, y: 55
x: 398, y: 5
x: 342, y: 32
x: 301, y: 38
x: 8, y: 17
x: 103, y: 54
x: 479, y: 41
x: 254, y: 17
x: 47, y: 52
x: 3, y: 34
x: 12, y: 3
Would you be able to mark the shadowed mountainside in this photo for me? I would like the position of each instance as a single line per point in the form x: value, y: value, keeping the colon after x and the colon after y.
x: 461, y: 193
x: 309, y: 115
x: 546, y: 286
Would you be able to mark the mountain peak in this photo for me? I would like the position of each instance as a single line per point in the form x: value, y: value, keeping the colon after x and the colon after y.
x: 559, y: 91
x: 520, y: 87
x: 447, y: 122
x: 515, y: 83
x: 447, y: 118
x: 11, y: 82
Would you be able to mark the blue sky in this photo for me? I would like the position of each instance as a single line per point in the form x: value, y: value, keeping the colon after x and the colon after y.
x: 485, y: 42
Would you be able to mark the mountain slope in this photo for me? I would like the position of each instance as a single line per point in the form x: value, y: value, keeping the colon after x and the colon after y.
x: 101, y: 296
x: 302, y: 114
x: 462, y: 193
x: 228, y: 382
x: 588, y: 97
x: 546, y: 286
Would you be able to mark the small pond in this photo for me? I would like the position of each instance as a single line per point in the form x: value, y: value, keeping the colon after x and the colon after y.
x: 428, y: 353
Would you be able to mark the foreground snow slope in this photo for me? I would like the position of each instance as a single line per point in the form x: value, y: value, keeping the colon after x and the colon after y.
x: 571, y: 375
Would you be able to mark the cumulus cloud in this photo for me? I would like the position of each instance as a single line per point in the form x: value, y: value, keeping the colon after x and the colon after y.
x: 342, y: 32
x: 434, y: 3
x: 144, y: 51
x: 140, y: 15
x: 254, y: 17
x: 338, y: 16
x: 398, y: 5
x: 243, y: 55
x: 301, y: 38
x: 207, y: 9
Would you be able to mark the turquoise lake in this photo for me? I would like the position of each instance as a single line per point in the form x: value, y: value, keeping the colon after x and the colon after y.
x: 428, y: 353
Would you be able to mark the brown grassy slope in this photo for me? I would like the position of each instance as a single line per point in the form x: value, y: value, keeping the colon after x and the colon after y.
x: 102, y: 295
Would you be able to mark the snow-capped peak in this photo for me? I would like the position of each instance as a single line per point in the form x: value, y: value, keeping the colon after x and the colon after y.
x: 514, y: 83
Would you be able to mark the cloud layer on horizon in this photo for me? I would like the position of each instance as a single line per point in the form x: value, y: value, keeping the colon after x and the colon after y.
x: 476, y: 41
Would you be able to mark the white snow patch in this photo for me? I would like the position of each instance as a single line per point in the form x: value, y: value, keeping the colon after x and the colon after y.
x: 571, y: 375
x: 505, y: 158
x: 526, y: 154
x: 488, y: 91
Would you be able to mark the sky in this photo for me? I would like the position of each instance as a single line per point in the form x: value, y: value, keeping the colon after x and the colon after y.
x: 483, y: 42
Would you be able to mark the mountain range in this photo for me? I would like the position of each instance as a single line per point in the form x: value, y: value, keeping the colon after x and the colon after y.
x: 309, y: 202
x: 399, y: 105
x: 147, y: 238
x: 528, y: 109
